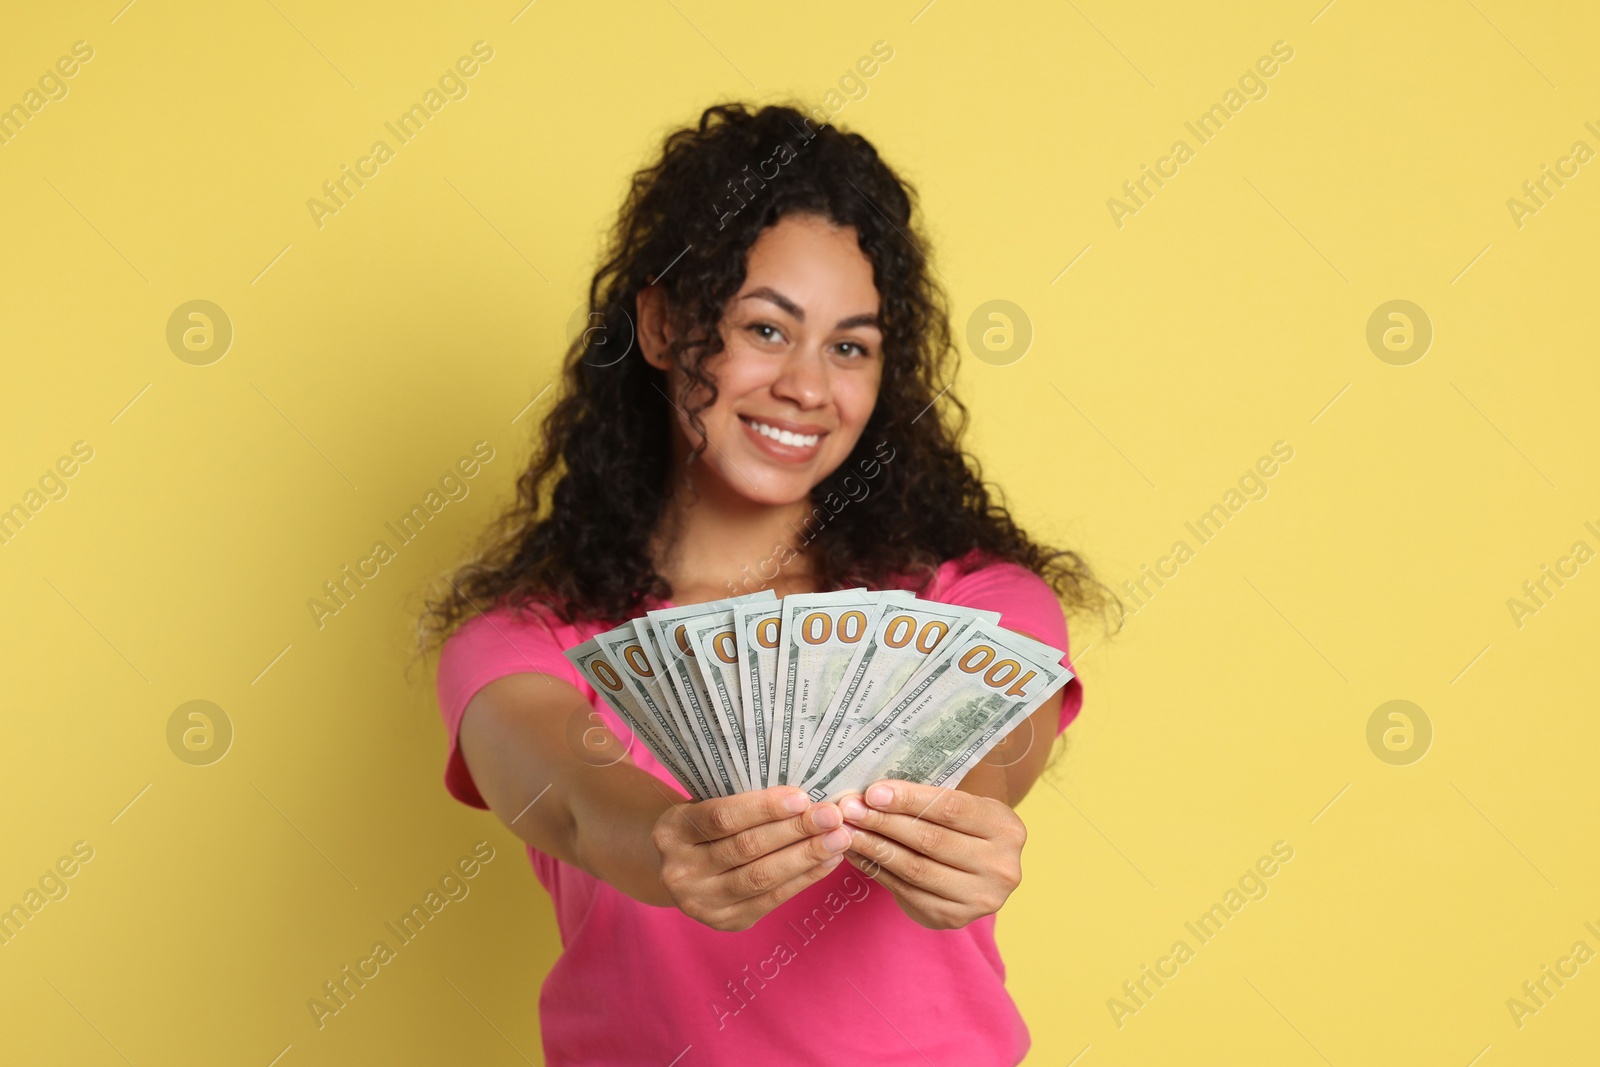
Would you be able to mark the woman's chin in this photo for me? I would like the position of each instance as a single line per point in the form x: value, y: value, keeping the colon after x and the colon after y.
x: 764, y: 484
x: 774, y: 494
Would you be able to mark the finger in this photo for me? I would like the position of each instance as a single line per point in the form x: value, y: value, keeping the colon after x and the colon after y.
x: 764, y: 903
x: 948, y: 807
x: 749, y: 845
x: 720, y: 817
x: 917, y: 897
x: 956, y: 848
x: 915, y: 868
x: 774, y: 869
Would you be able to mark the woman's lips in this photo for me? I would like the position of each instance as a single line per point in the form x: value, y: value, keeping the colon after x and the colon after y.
x: 780, y: 444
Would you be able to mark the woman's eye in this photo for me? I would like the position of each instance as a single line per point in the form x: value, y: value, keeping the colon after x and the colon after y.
x: 853, y: 348
x: 766, y: 331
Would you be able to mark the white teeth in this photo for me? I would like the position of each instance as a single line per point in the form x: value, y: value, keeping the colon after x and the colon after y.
x: 784, y: 437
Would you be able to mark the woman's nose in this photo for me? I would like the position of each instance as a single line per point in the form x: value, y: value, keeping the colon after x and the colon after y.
x: 803, y: 377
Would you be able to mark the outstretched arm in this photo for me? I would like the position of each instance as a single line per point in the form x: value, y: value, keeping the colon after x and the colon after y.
x: 724, y: 862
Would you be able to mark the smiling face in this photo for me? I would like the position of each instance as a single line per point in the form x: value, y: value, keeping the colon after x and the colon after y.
x: 802, y: 359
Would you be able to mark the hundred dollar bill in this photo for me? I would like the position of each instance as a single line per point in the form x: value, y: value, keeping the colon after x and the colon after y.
x: 630, y: 653
x: 1037, y: 649
x: 716, y: 654
x: 756, y: 631
x: 715, y: 738
x: 669, y: 697
x: 819, y: 636
x: 616, y: 690
x: 903, y: 639
x: 948, y: 718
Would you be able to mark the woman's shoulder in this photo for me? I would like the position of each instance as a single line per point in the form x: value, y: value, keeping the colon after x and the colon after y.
x: 528, y: 631
x: 974, y: 570
x: 526, y: 638
x: 981, y: 573
x: 1026, y: 602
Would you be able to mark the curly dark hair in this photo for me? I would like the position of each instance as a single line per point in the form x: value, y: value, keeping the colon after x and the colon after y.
x: 577, y: 539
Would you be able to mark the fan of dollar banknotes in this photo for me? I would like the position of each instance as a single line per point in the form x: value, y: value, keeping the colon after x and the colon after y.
x: 826, y: 691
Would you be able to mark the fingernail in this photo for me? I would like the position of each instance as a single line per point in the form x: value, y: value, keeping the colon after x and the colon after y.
x: 832, y: 861
x: 879, y: 795
x: 852, y: 808
x: 836, y: 840
x: 796, y: 803
x: 827, y: 817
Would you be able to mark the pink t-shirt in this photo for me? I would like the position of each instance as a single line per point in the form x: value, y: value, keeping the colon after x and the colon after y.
x: 836, y: 974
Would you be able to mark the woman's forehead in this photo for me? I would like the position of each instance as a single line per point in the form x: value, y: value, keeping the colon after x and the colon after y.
x: 810, y: 263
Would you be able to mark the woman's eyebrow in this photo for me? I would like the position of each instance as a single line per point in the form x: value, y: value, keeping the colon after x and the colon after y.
x: 798, y: 313
x: 764, y: 292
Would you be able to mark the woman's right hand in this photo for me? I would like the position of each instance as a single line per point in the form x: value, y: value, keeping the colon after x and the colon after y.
x: 728, y: 861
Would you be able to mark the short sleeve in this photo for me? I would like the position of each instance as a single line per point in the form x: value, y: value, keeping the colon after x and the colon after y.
x: 1028, y: 605
x: 485, y: 648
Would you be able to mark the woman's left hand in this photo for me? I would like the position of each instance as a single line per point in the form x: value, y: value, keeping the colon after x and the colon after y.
x: 948, y: 857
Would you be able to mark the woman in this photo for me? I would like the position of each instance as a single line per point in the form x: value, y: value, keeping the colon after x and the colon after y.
x: 756, y: 404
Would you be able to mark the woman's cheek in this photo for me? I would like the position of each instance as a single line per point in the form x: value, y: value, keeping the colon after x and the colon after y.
x: 861, y: 398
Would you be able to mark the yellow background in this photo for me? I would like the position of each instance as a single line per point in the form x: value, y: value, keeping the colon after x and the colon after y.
x: 1230, y: 312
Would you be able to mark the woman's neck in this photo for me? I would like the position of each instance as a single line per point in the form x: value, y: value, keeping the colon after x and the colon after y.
x: 714, y: 542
